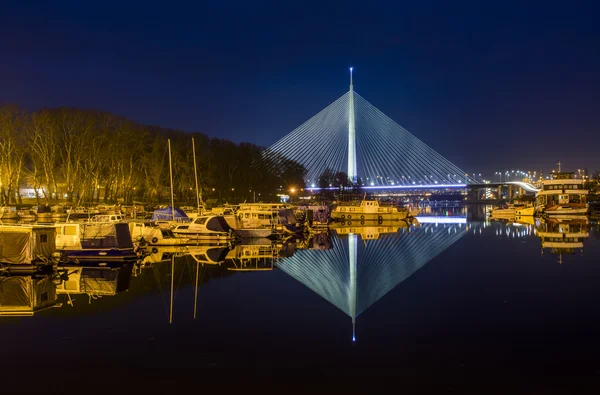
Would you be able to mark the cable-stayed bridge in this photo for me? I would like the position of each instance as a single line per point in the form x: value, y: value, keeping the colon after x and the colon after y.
x: 353, y: 136
x: 353, y: 275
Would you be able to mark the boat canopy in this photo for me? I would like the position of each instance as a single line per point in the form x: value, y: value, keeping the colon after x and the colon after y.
x: 105, y: 235
x: 166, y: 214
x: 217, y: 224
x: 23, y: 294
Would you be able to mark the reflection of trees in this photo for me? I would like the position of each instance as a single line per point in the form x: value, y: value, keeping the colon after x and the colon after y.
x: 77, y: 153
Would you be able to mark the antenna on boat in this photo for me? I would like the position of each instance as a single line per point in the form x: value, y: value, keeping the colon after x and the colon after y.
x: 171, y: 178
x: 558, y: 164
x: 196, y: 178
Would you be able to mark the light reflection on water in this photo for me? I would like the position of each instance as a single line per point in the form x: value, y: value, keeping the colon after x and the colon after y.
x: 351, y: 283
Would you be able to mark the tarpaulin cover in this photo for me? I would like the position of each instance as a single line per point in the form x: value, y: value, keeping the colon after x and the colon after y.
x: 217, y: 224
x: 16, y: 245
x: 165, y: 214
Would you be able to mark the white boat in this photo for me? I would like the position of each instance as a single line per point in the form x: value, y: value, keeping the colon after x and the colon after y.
x: 369, y: 210
x: 562, y: 195
x: 154, y: 235
x: 511, y: 210
x: 8, y: 213
x: 208, y: 228
x: 27, y: 215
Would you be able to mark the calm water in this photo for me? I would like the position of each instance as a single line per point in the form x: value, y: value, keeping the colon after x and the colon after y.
x: 457, y: 304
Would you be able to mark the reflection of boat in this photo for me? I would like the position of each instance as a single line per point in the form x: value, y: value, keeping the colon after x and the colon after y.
x: 562, y: 195
x: 369, y: 210
x: 371, y: 232
x: 253, y: 257
x: 525, y: 219
x: 209, y: 255
x: 25, y: 295
x: 95, y: 281
x: 563, y: 235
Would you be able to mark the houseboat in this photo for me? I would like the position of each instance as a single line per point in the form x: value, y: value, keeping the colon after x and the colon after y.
x: 24, y: 248
x: 562, y: 195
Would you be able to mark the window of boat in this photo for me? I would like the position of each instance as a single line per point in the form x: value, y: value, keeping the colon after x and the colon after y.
x: 43, y: 238
x: 201, y: 220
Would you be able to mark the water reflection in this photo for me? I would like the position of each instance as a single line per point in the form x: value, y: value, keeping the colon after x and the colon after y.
x: 564, y: 235
x: 351, y: 267
x: 26, y: 295
x: 355, y: 273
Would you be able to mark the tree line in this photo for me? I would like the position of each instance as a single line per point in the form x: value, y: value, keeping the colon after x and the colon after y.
x: 83, y: 156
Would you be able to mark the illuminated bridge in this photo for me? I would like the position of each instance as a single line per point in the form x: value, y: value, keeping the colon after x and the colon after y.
x: 354, y: 274
x: 353, y: 136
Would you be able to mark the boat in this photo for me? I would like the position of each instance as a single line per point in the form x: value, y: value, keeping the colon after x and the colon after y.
x: 44, y: 213
x: 511, y: 210
x: 8, y: 213
x: 107, y: 218
x: 368, y: 210
x: 205, y: 228
x: 102, y: 241
x: 562, y: 195
x: 22, y: 296
x: 149, y: 234
x: 27, y: 215
x: 24, y: 248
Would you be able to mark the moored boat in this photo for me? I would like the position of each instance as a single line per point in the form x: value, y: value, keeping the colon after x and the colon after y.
x: 562, y: 195
x: 369, y: 210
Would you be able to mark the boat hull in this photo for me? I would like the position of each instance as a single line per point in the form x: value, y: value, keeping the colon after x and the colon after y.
x: 396, y: 216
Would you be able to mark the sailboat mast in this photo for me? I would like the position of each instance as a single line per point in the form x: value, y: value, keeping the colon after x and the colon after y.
x: 196, y: 175
x: 171, y: 178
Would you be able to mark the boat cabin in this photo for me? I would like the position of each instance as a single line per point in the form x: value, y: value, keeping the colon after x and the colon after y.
x: 27, y: 243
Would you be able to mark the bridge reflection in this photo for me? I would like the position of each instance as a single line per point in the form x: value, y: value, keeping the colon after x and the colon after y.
x: 353, y: 275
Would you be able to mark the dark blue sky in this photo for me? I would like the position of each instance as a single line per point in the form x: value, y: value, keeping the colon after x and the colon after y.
x: 490, y: 86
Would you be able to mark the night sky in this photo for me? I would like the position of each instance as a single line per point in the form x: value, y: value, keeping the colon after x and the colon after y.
x: 494, y: 86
